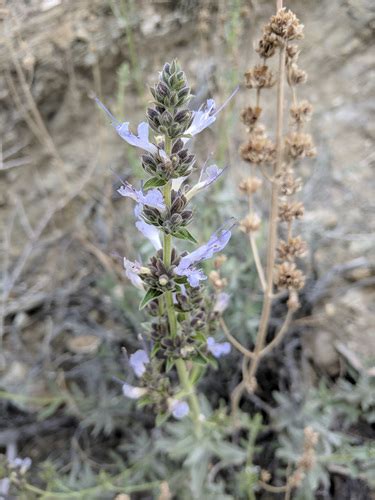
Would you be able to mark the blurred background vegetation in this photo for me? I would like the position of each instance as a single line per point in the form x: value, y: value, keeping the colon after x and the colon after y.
x: 66, y: 309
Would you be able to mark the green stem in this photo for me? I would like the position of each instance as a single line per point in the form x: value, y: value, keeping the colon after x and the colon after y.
x: 189, y: 388
x: 182, y: 371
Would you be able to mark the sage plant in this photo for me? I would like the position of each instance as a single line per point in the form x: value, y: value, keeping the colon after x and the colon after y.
x: 179, y: 334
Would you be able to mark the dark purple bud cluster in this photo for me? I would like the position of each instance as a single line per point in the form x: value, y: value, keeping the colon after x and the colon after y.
x: 161, y: 277
x: 179, y: 164
x: 171, y: 220
x: 169, y: 116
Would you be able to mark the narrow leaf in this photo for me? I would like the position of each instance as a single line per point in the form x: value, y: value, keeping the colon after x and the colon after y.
x: 184, y: 234
x: 153, y: 183
x: 150, y: 295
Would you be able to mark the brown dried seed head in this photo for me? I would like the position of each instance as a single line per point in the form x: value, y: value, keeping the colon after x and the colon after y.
x: 289, y: 277
x: 301, y: 112
x: 296, y: 75
x: 220, y: 260
x: 250, y: 223
x: 310, y: 437
x: 250, y: 185
x: 267, y: 45
x: 296, y: 478
x: 307, y: 461
x: 250, y: 116
x: 290, y: 211
x: 259, y: 131
x: 265, y: 476
x: 294, y: 247
x: 259, y: 77
x: 286, y: 25
x: 292, y: 53
x: 289, y: 185
x: 218, y: 282
x: 299, y: 145
x: 259, y: 149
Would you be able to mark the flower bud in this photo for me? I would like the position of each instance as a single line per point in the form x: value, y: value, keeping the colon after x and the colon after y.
x: 259, y: 77
x: 163, y: 280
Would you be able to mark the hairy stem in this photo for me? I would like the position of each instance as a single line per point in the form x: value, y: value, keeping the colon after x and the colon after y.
x: 172, y: 319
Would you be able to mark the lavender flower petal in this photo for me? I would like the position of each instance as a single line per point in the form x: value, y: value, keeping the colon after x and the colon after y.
x: 218, y: 349
x: 21, y: 463
x: 177, y: 183
x: 132, y: 270
x: 202, y: 118
x: 133, y: 392
x: 152, y: 198
x: 208, y: 175
x: 194, y: 276
x: 222, y: 302
x: 206, y: 115
x: 140, y: 141
x: 216, y: 243
x: 179, y: 409
x: 138, y: 360
x: 150, y: 232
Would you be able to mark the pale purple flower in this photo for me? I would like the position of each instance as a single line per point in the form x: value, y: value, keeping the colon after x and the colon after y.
x: 194, y: 276
x: 206, y: 115
x: 218, y: 349
x: 202, y: 118
x: 140, y: 141
x: 23, y: 464
x: 177, y: 183
x: 221, y: 303
x: 132, y: 392
x: 152, y: 198
x: 132, y: 270
x: 215, y: 244
x: 149, y: 231
x: 179, y: 409
x: 138, y: 360
x: 208, y: 175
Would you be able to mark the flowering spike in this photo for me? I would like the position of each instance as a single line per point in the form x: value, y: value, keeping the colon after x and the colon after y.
x: 171, y: 281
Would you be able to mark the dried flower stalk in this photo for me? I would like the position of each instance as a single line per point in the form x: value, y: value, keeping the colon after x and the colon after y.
x: 276, y: 162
